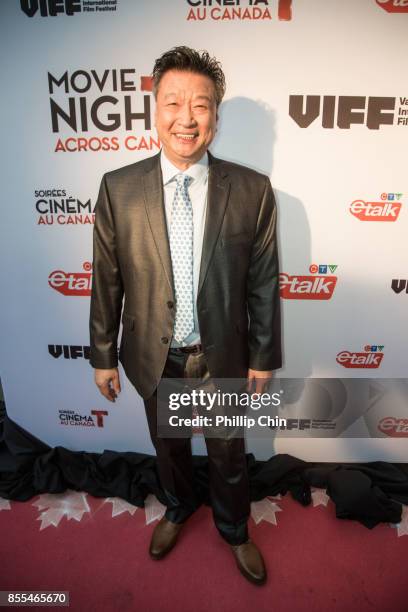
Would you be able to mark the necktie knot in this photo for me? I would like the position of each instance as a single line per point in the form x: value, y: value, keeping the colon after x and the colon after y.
x: 183, y: 180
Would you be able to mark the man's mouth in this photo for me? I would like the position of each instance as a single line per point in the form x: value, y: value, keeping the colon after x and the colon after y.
x: 186, y: 137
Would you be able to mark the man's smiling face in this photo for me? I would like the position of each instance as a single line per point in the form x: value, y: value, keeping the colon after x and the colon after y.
x: 185, y: 116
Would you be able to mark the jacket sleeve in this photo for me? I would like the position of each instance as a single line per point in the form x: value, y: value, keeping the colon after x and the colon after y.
x: 107, y: 286
x: 263, y: 299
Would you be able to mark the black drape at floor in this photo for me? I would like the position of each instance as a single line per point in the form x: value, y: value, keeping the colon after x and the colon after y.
x: 370, y: 493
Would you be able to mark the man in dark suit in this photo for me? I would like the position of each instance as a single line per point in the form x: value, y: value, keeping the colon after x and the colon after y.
x: 190, y: 241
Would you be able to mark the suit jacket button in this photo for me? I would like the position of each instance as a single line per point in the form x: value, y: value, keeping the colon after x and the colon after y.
x: 165, y: 340
x: 170, y: 304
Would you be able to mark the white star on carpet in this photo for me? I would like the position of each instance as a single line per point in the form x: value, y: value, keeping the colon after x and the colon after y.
x: 72, y: 504
x: 154, y: 510
x: 119, y: 506
x: 319, y: 497
x: 264, y: 510
x: 4, y: 504
x: 402, y: 527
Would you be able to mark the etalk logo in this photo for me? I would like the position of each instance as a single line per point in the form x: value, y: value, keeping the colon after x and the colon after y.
x: 306, y: 287
x: 375, y: 211
x: 370, y: 357
x: 386, y: 210
x: 72, y: 283
x: 393, y: 6
x: 394, y: 427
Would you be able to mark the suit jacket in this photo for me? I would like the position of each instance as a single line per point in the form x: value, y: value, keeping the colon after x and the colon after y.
x: 238, y: 306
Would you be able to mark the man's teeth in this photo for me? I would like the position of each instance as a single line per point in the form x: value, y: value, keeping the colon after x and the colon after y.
x: 186, y: 136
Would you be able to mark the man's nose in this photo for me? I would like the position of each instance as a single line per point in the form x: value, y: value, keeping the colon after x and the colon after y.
x: 186, y: 117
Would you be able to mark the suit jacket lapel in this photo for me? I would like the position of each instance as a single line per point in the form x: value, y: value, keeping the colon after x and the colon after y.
x: 217, y: 200
x: 154, y: 203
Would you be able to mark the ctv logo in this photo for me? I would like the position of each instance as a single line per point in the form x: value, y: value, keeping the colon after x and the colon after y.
x: 394, y: 427
x: 386, y: 210
x: 319, y: 287
x: 72, y: 283
x: 393, y: 6
x: 370, y: 357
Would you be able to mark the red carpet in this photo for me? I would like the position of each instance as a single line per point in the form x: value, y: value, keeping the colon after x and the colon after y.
x: 315, y: 562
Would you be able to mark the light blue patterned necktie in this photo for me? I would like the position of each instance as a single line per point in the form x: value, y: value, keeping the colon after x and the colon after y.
x: 181, y: 248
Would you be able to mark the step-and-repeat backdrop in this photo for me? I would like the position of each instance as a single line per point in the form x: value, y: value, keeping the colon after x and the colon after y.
x: 317, y: 98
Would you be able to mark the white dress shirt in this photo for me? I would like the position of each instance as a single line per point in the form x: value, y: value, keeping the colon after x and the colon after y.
x: 198, y: 195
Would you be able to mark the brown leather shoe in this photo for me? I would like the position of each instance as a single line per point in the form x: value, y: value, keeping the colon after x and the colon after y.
x: 164, y: 538
x: 250, y: 562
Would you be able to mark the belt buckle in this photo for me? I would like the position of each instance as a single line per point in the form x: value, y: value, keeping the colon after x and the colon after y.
x: 191, y: 349
x: 196, y: 348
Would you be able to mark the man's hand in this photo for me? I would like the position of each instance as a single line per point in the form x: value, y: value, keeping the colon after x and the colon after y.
x: 261, y: 379
x: 108, y: 383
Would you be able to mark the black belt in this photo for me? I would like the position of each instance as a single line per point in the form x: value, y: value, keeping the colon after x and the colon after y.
x: 195, y: 348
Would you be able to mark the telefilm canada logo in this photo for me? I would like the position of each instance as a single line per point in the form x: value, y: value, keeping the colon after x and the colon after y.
x: 84, y: 103
x: 72, y: 283
x: 346, y: 111
x: 53, y: 8
x: 370, y: 357
x: 393, y: 6
x: 387, y: 208
x: 54, y: 207
x: 76, y: 419
x: 239, y: 10
x: 318, y: 285
x: 69, y: 351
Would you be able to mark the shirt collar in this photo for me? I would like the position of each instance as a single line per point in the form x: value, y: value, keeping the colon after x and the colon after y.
x: 197, y: 171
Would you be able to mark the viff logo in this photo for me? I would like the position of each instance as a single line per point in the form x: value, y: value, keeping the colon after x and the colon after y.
x: 53, y: 8
x: 371, y: 357
x: 345, y: 111
x: 319, y: 285
x: 69, y: 351
x: 388, y: 209
x: 393, y: 6
x: 399, y: 284
x: 50, y: 8
x: 72, y: 283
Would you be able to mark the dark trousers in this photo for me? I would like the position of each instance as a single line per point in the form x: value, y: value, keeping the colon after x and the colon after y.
x: 228, y: 476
